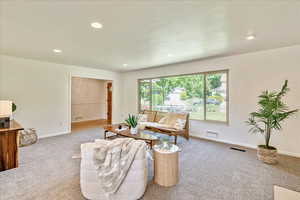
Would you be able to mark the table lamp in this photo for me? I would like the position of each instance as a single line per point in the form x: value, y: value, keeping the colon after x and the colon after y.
x: 5, y: 113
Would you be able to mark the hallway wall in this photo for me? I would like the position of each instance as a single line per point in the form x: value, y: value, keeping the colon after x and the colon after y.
x: 88, y: 99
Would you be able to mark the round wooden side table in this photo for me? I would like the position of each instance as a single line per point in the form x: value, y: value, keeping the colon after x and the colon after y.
x: 166, y: 165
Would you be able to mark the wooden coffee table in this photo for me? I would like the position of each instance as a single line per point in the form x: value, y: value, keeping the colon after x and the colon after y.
x: 141, y: 135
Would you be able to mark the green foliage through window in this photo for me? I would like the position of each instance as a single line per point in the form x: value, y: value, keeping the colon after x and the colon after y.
x: 203, y: 95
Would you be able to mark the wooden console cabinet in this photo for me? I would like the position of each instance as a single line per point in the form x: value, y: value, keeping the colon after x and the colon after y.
x: 9, y: 142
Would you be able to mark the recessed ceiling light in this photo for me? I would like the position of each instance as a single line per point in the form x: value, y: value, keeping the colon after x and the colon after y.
x: 125, y: 65
x: 170, y: 55
x: 96, y: 25
x: 250, y: 37
x: 57, y: 50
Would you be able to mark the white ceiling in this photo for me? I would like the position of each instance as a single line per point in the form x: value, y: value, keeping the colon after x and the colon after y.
x: 142, y: 34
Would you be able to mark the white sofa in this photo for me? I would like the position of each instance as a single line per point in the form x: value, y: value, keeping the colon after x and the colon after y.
x: 132, y: 188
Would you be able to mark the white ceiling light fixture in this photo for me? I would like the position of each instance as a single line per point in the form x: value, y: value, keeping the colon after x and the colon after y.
x: 170, y: 55
x: 96, y: 25
x: 250, y: 37
x: 57, y: 50
x: 125, y: 65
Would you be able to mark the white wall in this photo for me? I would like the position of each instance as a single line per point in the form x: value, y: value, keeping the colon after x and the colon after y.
x: 88, y: 99
x: 42, y: 92
x: 249, y: 75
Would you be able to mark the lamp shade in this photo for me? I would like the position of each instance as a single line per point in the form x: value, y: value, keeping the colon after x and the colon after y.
x: 5, y: 108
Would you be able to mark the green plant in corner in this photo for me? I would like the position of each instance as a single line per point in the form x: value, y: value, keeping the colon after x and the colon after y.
x: 272, y: 112
x: 132, y: 121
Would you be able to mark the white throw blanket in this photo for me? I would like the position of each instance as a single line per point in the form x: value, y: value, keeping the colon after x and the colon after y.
x: 113, y: 160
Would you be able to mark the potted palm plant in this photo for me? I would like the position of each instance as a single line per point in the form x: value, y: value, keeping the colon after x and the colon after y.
x: 272, y: 112
x: 132, y: 122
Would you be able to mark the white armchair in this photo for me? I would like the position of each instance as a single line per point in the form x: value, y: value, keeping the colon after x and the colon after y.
x: 133, y: 186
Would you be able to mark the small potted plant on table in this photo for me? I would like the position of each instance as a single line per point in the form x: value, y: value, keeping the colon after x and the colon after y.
x: 272, y: 112
x: 13, y: 109
x: 132, y: 122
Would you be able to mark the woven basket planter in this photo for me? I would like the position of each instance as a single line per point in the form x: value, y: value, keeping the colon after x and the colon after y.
x: 268, y: 156
x: 27, y: 137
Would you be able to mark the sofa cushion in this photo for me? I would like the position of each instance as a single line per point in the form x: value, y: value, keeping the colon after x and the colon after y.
x: 180, y: 124
x: 142, y: 117
x: 163, y: 120
x: 168, y: 120
x: 150, y: 114
x: 174, y: 120
x: 158, y: 125
x: 149, y: 124
x: 160, y: 115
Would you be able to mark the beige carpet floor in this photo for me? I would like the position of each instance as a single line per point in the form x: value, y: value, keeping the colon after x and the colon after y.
x: 208, y: 171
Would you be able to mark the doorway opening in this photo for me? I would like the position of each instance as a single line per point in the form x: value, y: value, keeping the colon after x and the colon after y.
x: 91, y: 103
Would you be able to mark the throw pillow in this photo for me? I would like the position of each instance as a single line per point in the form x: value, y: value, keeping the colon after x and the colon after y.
x: 180, y: 124
x: 142, y: 118
x: 163, y: 120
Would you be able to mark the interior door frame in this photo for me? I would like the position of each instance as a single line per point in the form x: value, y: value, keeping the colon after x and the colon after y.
x: 109, y: 88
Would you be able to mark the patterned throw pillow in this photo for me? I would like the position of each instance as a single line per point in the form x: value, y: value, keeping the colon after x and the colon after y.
x: 163, y: 120
x: 142, y: 117
x: 180, y: 124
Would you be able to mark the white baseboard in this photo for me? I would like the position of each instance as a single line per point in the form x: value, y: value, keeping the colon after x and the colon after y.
x: 289, y: 153
x: 54, y: 134
x: 224, y: 141
x: 88, y: 120
x: 245, y: 145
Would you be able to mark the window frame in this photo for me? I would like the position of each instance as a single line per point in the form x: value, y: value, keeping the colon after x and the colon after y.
x: 225, y: 71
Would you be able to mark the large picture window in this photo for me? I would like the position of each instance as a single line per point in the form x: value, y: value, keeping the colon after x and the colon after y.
x: 203, y: 95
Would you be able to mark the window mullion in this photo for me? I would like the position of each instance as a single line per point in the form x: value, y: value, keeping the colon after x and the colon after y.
x: 151, y: 94
x: 139, y: 96
x: 204, y: 93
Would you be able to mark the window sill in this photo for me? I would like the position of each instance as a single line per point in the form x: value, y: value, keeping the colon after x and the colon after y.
x: 212, y: 121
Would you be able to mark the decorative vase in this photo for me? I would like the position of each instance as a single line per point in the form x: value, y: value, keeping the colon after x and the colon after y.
x: 134, y: 130
x: 265, y: 155
x: 12, y: 117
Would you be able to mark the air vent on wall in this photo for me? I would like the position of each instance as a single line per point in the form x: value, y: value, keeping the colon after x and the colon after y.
x: 212, y: 134
x: 237, y: 149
